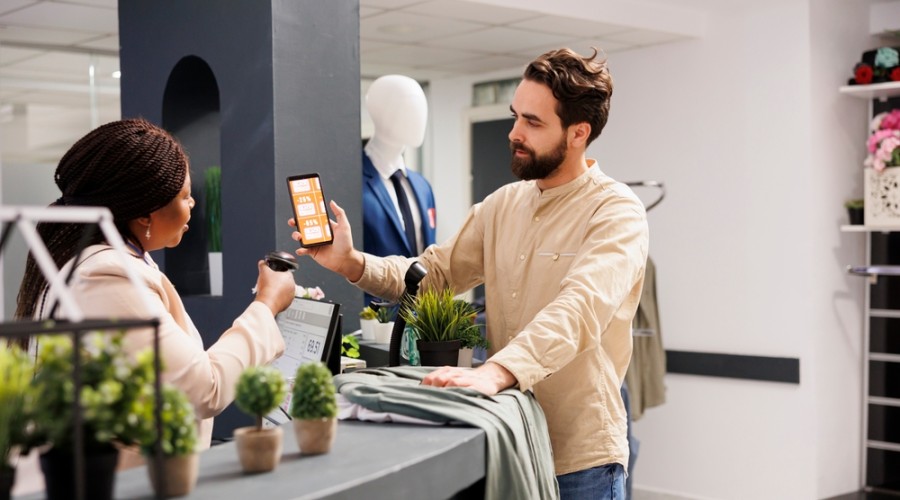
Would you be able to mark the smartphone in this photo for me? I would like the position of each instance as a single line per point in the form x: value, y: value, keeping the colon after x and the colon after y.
x: 310, y: 210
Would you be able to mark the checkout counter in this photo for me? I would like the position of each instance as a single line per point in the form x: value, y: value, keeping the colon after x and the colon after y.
x: 368, y: 460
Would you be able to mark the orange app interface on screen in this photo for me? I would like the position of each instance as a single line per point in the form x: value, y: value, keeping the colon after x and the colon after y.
x: 309, y: 210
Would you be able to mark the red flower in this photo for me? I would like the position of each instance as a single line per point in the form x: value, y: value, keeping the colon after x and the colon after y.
x: 895, y: 74
x: 862, y: 74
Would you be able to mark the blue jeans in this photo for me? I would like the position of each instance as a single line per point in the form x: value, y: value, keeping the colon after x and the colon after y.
x: 606, y: 482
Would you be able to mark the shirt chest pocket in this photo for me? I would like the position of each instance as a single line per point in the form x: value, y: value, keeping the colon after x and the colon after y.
x: 554, y: 265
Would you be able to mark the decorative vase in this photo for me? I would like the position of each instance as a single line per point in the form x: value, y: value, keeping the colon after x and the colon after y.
x: 258, y: 449
x: 465, y: 357
x: 179, y: 474
x: 99, y: 473
x: 383, y: 332
x: 7, y: 480
x: 367, y: 328
x: 882, y: 197
x: 444, y: 353
x: 215, y: 273
x: 315, y: 436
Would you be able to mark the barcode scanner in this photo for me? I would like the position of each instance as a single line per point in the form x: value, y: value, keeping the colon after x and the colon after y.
x: 280, y: 260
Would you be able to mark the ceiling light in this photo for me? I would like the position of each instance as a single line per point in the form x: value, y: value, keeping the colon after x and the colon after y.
x: 117, y: 74
x: 399, y: 29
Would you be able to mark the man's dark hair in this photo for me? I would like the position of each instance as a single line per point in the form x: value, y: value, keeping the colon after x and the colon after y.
x: 582, y: 85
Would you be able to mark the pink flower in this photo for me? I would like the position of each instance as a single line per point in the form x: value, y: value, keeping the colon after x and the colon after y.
x: 891, y: 121
x: 876, y: 138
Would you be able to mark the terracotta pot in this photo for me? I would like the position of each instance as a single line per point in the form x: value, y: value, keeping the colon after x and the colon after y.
x: 315, y: 436
x: 465, y: 357
x: 179, y: 474
x: 258, y: 449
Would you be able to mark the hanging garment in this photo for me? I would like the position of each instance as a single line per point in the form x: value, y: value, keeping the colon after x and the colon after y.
x: 647, y: 370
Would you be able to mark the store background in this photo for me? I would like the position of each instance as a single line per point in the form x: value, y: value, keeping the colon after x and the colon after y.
x: 732, y: 104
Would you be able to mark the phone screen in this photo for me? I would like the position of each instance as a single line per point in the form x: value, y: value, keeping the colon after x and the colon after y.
x: 310, y: 210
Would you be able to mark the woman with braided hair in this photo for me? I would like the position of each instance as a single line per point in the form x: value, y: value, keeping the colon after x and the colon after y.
x: 140, y: 173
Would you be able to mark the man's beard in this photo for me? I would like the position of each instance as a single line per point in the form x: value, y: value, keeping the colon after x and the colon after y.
x: 536, y: 167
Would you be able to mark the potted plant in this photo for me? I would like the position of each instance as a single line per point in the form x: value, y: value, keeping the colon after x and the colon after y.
x: 440, y: 321
x: 855, y: 212
x: 314, y: 409
x: 178, y: 442
x: 349, y: 346
x: 881, y: 185
x: 111, y: 381
x: 470, y: 336
x: 213, y: 207
x: 16, y: 371
x: 259, y: 390
x: 367, y: 321
x: 385, y: 317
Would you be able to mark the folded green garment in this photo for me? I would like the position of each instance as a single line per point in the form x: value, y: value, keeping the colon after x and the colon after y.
x: 519, y: 458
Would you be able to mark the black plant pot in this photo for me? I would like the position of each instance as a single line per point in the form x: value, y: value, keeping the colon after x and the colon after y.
x: 99, y: 472
x: 7, y: 479
x: 444, y: 353
x: 856, y: 216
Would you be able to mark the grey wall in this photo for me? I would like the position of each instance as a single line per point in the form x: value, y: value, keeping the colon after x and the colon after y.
x: 41, y: 192
x: 288, y: 81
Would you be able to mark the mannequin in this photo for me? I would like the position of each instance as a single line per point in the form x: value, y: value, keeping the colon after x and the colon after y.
x: 399, y: 112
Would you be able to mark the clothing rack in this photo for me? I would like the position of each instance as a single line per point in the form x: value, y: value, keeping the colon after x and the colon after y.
x: 653, y: 184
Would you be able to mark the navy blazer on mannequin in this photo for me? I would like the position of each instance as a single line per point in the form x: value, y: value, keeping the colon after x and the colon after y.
x: 382, y: 230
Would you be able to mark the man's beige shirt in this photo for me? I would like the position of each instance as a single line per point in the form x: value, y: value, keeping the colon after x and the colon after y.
x: 563, y: 271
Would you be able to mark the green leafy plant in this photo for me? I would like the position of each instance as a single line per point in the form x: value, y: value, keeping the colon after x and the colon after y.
x: 854, y: 204
x: 313, y: 395
x: 350, y: 346
x: 179, y: 425
x: 437, y: 316
x: 260, y: 389
x: 385, y: 314
x: 16, y: 371
x: 367, y: 313
x: 111, y: 383
x: 213, y: 194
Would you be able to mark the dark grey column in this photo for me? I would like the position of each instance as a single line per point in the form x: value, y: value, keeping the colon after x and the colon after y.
x: 265, y: 89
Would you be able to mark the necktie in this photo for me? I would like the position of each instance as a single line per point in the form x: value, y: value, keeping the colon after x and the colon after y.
x: 405, y: 212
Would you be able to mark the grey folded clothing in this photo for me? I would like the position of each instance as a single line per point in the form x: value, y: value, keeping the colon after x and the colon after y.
x: 519, y: 457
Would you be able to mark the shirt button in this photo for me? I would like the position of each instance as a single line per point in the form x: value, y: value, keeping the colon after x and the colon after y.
x: 522, y: 257
x: 537, y: 219
x: 556, y: 256
x: 514, y: 294
x: 509, y: 338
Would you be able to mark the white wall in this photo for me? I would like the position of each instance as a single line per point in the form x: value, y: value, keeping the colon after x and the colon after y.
x: 758, y: 152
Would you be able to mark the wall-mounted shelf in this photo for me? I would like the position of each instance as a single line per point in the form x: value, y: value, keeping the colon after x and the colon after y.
x: 857, y: 228
x: 874, y: 91
x: 874, y: 270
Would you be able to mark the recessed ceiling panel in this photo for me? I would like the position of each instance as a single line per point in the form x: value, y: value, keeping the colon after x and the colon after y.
x: 471, y: 11
x: 65, y: 16
x: 566, y: 25
x: 402, y: 27
x: 500, y: 40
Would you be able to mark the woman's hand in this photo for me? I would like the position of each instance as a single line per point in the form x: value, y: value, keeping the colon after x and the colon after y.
x: 339, y: 256
x: 275, y: 289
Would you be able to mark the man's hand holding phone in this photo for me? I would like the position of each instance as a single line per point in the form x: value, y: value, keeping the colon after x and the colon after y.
x: 340, y: 256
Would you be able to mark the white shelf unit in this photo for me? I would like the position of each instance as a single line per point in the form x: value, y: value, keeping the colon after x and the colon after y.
x: 880, y: 473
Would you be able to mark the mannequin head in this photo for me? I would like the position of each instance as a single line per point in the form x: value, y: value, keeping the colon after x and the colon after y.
x: 399, y: 111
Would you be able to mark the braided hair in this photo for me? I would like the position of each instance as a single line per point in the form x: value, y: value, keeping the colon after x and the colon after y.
x: 131, y: 167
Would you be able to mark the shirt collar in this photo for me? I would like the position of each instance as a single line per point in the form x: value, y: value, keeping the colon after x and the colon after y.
x: 591, y: 174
